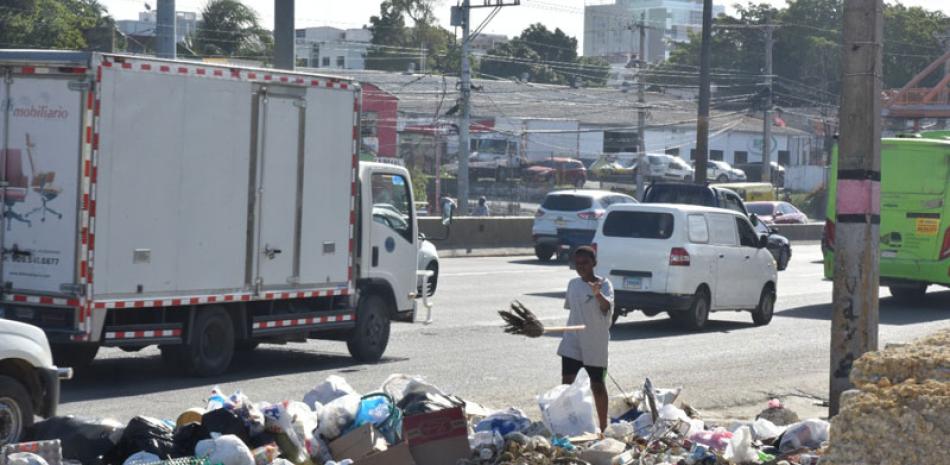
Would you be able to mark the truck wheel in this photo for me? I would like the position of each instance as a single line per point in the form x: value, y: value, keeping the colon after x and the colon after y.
x: 722, y: 178
x: 210, y: 344
x: 909, y: 294
x: 16, y: 410
x: 762, y: 314
x: 544, y: 252
x: 371, y: 335
x: 74, y: 355
x: 698, y: 313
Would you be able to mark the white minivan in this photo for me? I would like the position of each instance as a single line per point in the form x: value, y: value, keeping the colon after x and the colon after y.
x: 685, y: 260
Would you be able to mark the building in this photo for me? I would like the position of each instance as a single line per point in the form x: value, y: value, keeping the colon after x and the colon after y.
x: 186, y: 24
x: 609, y: 29
x: 482, y: 43
x: 329, y: 47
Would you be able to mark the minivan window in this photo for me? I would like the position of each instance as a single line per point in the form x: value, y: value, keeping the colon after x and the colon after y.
x: 566, y: 203
x: 681, y: 194
x: 639, y: 225
x: 722, y: 229
x: 698, y: 230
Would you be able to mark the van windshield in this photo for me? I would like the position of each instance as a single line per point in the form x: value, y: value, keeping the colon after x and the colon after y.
x: 566, y: 203
x: 639, y: 225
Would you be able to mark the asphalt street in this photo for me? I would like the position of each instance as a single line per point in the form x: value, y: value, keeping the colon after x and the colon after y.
x: 730, y: 369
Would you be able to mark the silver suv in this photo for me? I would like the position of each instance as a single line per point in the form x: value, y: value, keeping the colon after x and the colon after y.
x: 568, y: 219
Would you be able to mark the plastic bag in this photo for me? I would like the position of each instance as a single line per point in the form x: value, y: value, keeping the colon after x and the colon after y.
x: 186, y: 437
x: 145, y: 434
x: 398, y: 386
x: 739, y: 449
x: 141, y: 458
x: 225, y: 450
x: 619, y: 431
x: 280, y: 422
x: 338, y: 415
x: 25, y: 458
x: 51, y: 450
x: 716, y: 439
x: 569, y: 410
x: 225, y: 421
x: 808, y: 433
x: 304, y: 422
x: 670, y: 412
x: 504, y: 422
x: 333, y: 388
x: 379, y: 410
x: 86, y: 440
x: 241, y: 406
x: 764, y: 429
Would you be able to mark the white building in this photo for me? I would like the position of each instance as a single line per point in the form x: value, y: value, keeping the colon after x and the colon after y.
x: 482, y: 43
x: 329, y: 47
x: 610, y: 29
x: 186, y: 23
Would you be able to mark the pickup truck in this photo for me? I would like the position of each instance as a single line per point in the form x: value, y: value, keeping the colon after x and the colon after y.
x: 29, y: 382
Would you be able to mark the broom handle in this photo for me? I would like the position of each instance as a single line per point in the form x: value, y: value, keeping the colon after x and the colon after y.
x: 559, y: 329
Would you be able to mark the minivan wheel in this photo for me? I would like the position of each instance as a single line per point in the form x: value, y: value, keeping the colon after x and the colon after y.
x: 544, y: 252
x: 762, y: 314
x: 698, y: 314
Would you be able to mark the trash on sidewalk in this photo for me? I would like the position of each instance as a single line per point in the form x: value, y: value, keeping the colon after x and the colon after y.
x: 410, y: 421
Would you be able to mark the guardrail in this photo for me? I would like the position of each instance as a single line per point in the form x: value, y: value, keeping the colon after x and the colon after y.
x: 515, y: 232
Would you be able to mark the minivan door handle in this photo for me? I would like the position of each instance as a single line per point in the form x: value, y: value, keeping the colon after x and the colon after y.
x: 722, y: 255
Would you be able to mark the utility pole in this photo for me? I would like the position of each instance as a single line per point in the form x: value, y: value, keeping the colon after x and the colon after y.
x: 284, y: 56
x: 767, y: 117
x: 854, y: 321
x: 461, y: 17
x: 702, y: 119
x: 641, y: 111
x: 166, y: 29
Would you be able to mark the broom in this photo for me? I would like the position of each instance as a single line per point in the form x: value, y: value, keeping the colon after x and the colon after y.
x: 521, y: 321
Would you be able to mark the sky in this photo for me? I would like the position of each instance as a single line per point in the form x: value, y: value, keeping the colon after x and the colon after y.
x: 565, y: 14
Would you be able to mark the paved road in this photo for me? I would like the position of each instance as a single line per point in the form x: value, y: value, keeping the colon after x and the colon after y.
x: 731, y: 368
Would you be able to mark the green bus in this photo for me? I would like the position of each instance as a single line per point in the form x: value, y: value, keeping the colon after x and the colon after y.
x: 915, y: 214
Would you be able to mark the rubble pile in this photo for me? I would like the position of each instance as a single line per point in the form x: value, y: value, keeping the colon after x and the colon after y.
x: 409, y: 421
x: 900, y: 412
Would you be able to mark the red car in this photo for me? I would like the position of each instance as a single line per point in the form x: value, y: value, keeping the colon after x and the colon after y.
x: 777, y: 212
x: 558, y: 171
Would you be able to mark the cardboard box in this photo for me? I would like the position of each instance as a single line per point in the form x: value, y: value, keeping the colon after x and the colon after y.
x: 437, y: 438
x: 395, y: 455
x: 358, y: 443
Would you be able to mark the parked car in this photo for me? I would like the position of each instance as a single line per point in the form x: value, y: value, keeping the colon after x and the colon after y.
x: 568, y: 219
x: 685, y: 260
x: 428, y: 261
x: 777, y: 212
x: 720, y: 171
x: 611, y: 165
x: 29, y: 382
x: 663, y: 167
x: 754, y: 172
x: 713, y: 196
x: 557, y: 170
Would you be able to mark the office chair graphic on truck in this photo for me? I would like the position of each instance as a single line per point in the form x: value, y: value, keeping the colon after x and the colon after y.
x: 43, y: 185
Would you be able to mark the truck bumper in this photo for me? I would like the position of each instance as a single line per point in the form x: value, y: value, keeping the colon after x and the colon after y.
x: 652, y: 301
x: 50, y: 378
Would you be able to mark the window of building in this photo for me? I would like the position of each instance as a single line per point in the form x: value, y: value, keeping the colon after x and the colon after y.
x: 340, y: 62
x: 692, y: 154
x: 783, y: 157
x: 715, y: 155
x: 368, y: 124
x: 325, y: 62
x: 740, y: 157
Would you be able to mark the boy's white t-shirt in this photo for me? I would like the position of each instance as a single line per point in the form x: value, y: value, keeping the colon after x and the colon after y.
x: 590, y: 345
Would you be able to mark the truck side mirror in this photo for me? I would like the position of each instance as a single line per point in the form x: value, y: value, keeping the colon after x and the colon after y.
x: 447, y: 212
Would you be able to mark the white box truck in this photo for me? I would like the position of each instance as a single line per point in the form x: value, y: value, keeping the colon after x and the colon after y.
x: 198, y: 207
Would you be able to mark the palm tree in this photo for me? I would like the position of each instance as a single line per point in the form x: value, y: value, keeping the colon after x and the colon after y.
x: 232, y: 29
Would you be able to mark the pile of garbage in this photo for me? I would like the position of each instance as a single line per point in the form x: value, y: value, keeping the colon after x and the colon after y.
x: 900, y: 411
x: 409, y: 421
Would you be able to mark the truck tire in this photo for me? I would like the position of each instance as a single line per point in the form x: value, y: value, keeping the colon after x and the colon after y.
x: 371, y: 335
x: 544, y: 252
x: 210, y: 345
x: 762, y: 314
x: 16, y: 410
x: 908, y: 294
x: 433, y: 281
x: 74, y: 355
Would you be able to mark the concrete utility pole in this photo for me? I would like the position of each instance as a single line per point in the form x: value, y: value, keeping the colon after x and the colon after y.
x: 641, y: 111
x: 767, y: 117
x: 461, y: 17
x: 702, y: 118
x: 854, y: 322
x: 284, y: 56
x: 166, y: 29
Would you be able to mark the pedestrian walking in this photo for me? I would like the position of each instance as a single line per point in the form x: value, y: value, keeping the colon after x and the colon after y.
x: 590, y: 299
x: 482, y: 208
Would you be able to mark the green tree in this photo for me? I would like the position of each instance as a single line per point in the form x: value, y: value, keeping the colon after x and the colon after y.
x: 546, y: 57
x: 55, y: 24
x: 230, y: 28
x: 397, y: 43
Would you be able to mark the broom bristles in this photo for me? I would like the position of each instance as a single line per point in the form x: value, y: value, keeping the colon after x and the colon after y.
x: 521, y: 321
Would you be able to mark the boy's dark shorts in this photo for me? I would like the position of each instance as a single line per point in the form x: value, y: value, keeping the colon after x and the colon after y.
x: 570, y: 367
